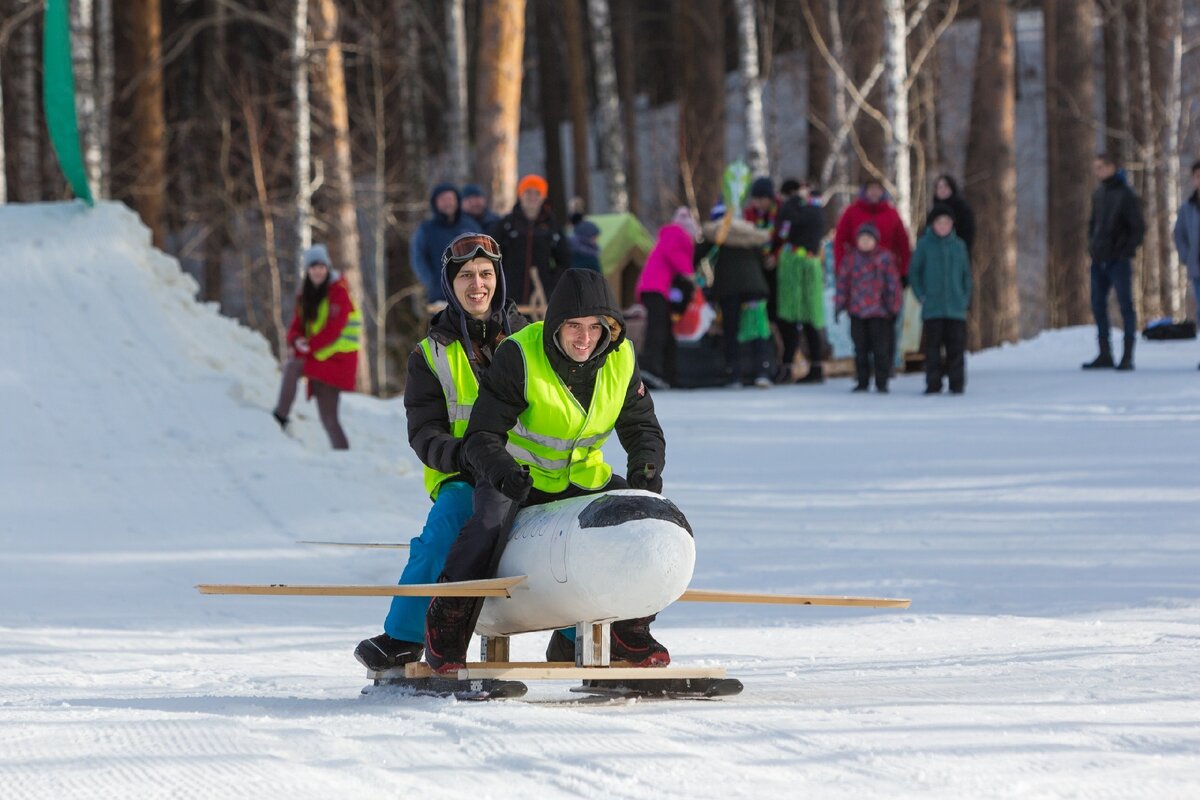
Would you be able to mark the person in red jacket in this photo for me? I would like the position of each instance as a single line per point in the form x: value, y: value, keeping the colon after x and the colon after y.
x: 872, y: 206
x: 323, y: 344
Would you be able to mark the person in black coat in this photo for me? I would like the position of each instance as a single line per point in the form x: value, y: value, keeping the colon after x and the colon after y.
x: 947, y: 195
x: 531, y: 239
x: 503, y: 486
x: 1115, y: 231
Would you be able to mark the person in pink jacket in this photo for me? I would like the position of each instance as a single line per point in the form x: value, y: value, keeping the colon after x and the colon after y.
x: 670, y: 260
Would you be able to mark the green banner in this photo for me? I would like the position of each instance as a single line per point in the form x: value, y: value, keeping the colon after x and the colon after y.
x: 58, y: 97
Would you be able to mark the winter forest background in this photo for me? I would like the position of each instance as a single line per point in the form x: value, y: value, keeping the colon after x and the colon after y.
x: 241, y: 130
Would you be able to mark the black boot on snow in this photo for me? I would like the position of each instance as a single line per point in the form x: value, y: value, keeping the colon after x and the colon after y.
x: 1102, y: 361
x: 446, y: 633
x: 632, y: 641
x: 816, y: 374
x: 383, y: 652
x: 560, y: 648
x: 1126, y: 364
x: 283, y: 421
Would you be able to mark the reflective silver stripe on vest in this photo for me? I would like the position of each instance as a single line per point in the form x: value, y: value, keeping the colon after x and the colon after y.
x: 441, y: 367
x: 549, y: 464
x: 558, y: 444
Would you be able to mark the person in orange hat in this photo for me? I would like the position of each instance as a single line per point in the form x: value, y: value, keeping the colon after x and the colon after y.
x: 531, y: 239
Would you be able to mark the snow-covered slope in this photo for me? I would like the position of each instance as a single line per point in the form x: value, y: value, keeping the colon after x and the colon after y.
x: 1044, y: 525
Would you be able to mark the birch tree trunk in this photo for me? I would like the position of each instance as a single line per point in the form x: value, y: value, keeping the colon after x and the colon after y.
x: 143, y: 20
x: 991, y: 182
x: 577, y: 98
x: 865, y: 34
x: 83, y: 45
x: 498, y: 97
x: 1147, y: 132
x: 3, y: 160
x: 702, y: 102
x: 28, y: 152
x: 752, y: 89
x: 612, y: 145
x: 1069, y: 155
x: 106, y: 71
x: 341, y: 175
x: 456, y: 91
x: 550, y: 100
x: 899, y: 163
x: 302, y: 134
x: 1177, y: 272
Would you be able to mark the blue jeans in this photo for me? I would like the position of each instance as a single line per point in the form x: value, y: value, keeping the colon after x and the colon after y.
x: 426, y: 558
x: 1113, y: 275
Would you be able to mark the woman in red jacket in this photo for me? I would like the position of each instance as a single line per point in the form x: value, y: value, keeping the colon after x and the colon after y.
x: 323, y: 344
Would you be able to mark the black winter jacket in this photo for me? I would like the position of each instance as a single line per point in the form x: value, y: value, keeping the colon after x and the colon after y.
x: 538, y: 243
x: 1116, y: 228
x: 429, y: 432
x: 964, y: 217
x: 802, y: 224
x: 580, y: 293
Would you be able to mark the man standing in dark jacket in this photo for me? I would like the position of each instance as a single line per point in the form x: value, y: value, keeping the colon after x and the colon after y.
x: 582, y: 367
x: 531, y: 239
x: 1115, y: 232
x: 446, y: 222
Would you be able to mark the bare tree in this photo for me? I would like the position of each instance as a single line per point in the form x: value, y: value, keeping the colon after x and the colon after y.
x: 895, y: 57
x: 702, y: 101
x: 341, y: 174
x: 577, y: 97
x: 143, y: 21
x: 27, y: 112
x: 498, y: 93
x: 302, y: 133
x: 550, y: 100
x: 626, y: 50
x: 612, y: 144
x: 991, y: 182
x: 456, y: 90
x: 1116, y: 75
x: 1146, y: 134
x: 752, y: 88
x: 83, y: 47
x: 1069, y: 155
x: 105, y: 91
x: 1177, y: 272
x: 820, y: 87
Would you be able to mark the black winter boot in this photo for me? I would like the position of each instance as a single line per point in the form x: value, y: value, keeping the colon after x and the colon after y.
x: 383, y: 652
x: 1102, y: 361
x: 816, y: 374
x: 632, y: 641
x: 446, y: 634
x: 1126, y: 364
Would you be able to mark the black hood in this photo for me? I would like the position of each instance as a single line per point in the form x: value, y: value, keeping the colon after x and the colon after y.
x: 582, y: 293
x: 445, y: 187
x: 469, y: 328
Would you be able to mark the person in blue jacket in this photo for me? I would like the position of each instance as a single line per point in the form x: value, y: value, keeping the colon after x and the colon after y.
x: 445, y: 223
x: 940, y: 276
x: 462, y: 340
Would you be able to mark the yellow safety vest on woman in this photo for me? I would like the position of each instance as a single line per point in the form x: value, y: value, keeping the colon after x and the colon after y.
x: 347, y: 342
x: 557, y: 438
x: 453, y: 370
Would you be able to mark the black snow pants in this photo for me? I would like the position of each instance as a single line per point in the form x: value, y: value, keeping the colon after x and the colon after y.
x: 872, y: 343
x: 951, y: 335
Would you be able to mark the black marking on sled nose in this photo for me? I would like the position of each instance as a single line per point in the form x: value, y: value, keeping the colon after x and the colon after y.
x: 613, y: 509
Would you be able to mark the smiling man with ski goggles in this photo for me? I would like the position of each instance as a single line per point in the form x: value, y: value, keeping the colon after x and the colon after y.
x: 469, y: 246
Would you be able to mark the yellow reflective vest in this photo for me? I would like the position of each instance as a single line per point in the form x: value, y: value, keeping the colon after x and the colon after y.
x: 347, y: 342
x: 557, y: 438
x: 453, y: 370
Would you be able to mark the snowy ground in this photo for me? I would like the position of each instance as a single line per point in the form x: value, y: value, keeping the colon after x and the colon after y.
x: 1045, y: 526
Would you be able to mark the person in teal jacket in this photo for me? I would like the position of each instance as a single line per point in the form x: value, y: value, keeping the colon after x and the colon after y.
x: 940, y: 276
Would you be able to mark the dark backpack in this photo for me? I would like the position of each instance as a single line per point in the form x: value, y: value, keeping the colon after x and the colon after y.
x: 1164, y: 329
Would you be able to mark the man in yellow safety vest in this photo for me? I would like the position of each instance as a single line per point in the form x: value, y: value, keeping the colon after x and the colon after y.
x: 554, y: 393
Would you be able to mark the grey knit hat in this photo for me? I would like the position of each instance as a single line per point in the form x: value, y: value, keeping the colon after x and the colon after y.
x: 317, y: 254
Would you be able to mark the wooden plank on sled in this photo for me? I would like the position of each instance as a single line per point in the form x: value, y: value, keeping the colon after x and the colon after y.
x: 380, y: 545
x: 492, y: 587
x: 713, y: 596
x: 565, y: 671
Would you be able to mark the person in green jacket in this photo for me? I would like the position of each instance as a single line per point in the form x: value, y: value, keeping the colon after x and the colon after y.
x: 940, y: 276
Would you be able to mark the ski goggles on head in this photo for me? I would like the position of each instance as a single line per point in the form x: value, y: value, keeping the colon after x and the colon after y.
x: 470, y: 246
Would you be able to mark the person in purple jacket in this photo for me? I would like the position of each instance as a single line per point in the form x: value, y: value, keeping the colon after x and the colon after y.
x: 868, y: 287
x: 671, y: 258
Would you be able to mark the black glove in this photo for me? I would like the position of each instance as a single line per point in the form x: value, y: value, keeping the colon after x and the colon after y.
x: 516, y: 484
x: 903, y: 281
x: 837, y: 316
x: 646, y: 477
